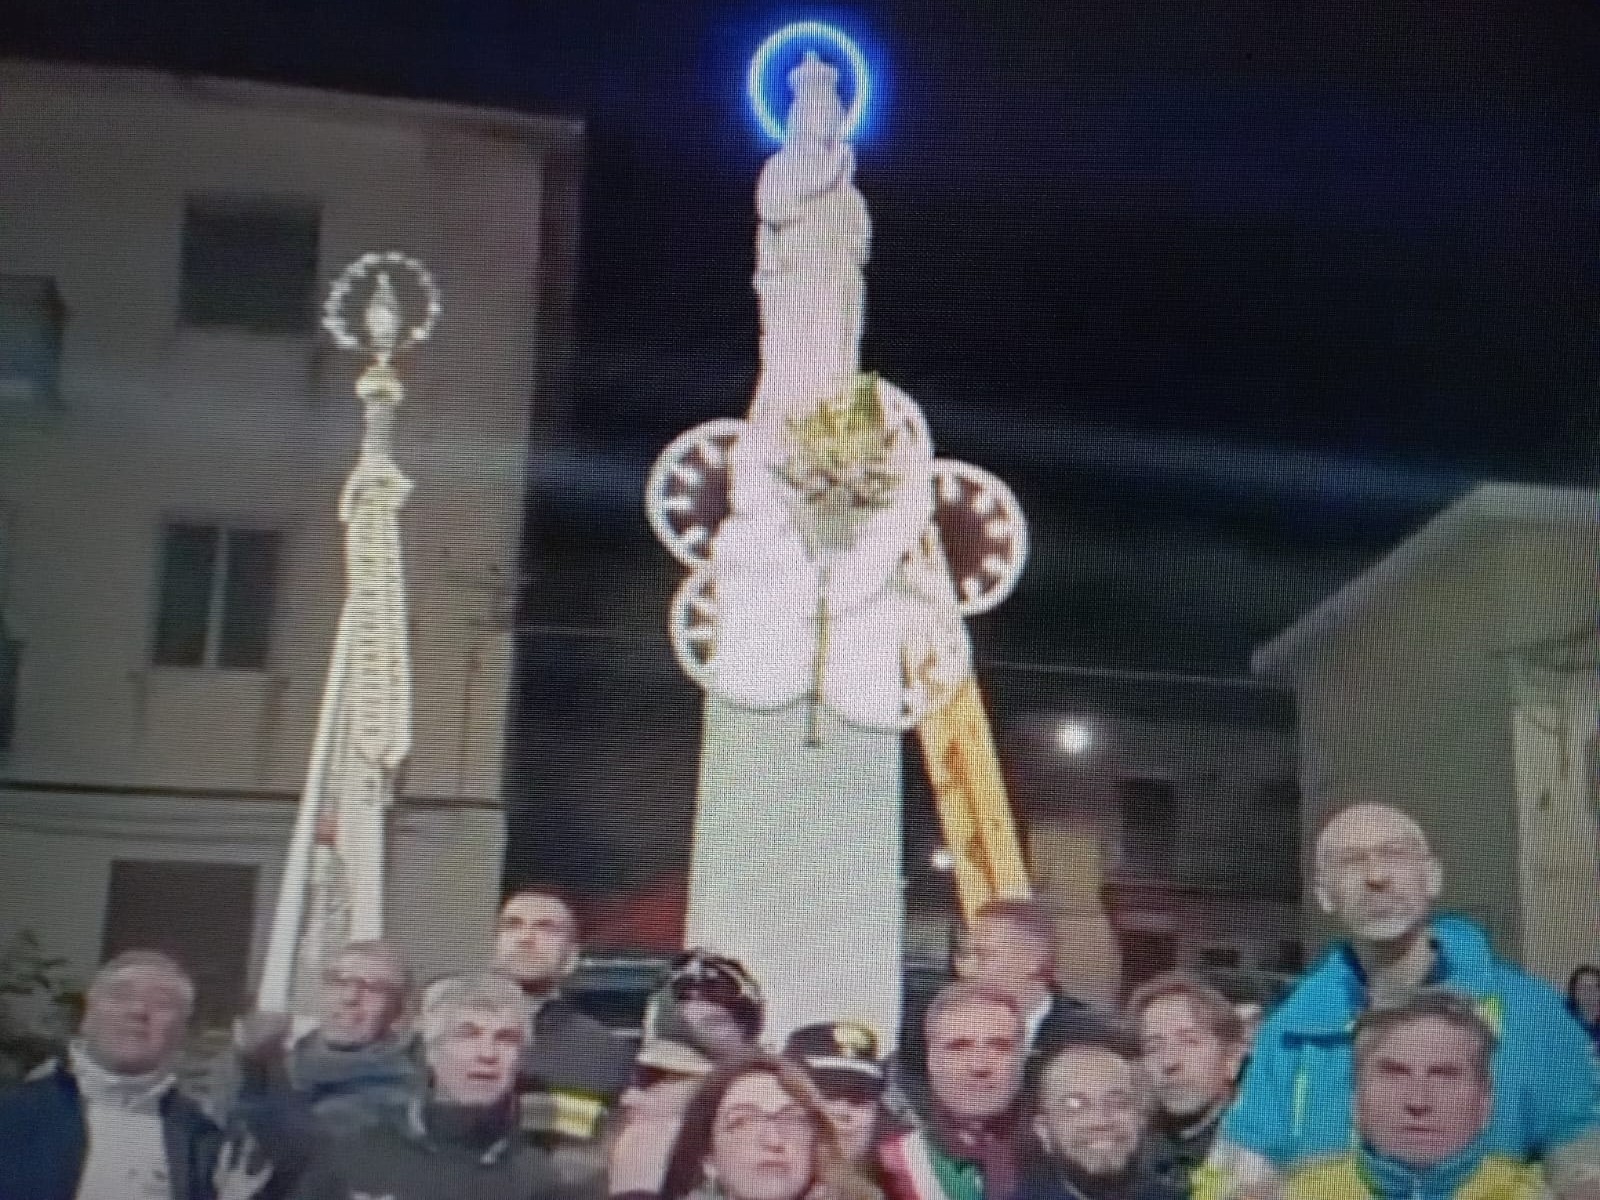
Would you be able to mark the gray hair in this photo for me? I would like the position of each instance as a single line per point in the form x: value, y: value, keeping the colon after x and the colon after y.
x: 1424, y: 1004
x: 154, y: 960
x: 445, y: 1000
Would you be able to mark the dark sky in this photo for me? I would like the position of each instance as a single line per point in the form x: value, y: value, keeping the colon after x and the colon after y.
x: 1234, y: 292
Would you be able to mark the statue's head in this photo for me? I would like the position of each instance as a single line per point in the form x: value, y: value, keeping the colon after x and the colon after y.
x: 816, y: 114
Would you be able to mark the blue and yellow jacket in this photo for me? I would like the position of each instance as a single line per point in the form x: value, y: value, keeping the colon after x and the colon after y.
x: 1365, y: 1175
x: 1295, y: 1102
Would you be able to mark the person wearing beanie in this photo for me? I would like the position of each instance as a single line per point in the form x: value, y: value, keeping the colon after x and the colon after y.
x: 707, y: 1013
x: 459, y: 1136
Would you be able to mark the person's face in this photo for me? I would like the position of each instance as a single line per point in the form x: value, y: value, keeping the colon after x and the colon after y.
x: 854, y: 1116
x: 1419, y: 1097
x: 361, y: 1001
x: 975, y: 1058
x: 475, y: 1061
x: 1586, y: 993
x: 1091, y: 1111
x: 715, y: 1026
x: 762, y: 1142
x: 1191, y: 1067
x: 999, y: 953
x: 536, y: 940
x: 1376, y: 874
x: 135, y: 1018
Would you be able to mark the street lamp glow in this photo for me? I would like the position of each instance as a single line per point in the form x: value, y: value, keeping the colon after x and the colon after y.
x: 816, y: 31
x: 1074, y: 737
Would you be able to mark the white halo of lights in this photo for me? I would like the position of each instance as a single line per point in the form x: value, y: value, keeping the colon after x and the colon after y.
x: 755, y: 80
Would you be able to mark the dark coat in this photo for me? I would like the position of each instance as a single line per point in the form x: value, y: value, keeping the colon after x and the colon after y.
x: 290, y: 1106
x: 44, y: 1141
x: 569, y: 1080
x: 405, y: 1162
x: 1042, y: 1183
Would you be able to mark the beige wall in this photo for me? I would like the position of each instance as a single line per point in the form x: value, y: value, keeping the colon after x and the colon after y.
x: 1411, y: 699
x: 158, y: 420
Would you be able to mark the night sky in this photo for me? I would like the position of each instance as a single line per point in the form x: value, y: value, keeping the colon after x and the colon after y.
x: 1235, y: 293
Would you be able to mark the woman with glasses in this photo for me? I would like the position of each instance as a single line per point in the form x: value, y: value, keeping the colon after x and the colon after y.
x: 756, y: 1130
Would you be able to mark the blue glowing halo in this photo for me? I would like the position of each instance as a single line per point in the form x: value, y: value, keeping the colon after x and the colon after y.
x: 817, y: 31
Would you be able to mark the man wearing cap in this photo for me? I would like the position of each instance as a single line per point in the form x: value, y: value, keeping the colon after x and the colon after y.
x: 573, y: 1069
x: 842, y: 1059
x: 708, y: 1011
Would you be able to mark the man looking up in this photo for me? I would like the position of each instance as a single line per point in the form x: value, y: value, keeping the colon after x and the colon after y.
x: 459, y: 1136
x: 572, y: 1069
x: 109, y: 1123
x: 1377, y: 874
x: 356, y: 1069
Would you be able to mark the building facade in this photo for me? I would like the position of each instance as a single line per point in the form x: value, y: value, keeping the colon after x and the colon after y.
x: 174, y: 431
x: 1459, y: 678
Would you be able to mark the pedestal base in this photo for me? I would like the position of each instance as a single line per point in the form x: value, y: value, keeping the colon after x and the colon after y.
x: 796, y: 867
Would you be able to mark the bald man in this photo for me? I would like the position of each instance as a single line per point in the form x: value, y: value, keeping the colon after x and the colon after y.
x: 1376, y: 874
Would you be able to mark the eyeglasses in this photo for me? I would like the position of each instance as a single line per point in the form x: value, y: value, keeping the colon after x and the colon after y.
x: 790, y: 1122
x: 338, y: 981
x: 1113, y: 1104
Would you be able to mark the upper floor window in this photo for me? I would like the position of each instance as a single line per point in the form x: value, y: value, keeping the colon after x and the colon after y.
x: 218, y: 587
x: 31, y: 317
x: 250, y: 262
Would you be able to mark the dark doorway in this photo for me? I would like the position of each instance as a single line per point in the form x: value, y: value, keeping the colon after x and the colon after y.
x: 201, y: 913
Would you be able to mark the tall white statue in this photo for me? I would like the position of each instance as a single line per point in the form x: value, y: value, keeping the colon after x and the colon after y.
x: 820, y: 615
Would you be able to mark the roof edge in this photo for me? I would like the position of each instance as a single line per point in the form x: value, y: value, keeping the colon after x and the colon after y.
x: 1492, y: 502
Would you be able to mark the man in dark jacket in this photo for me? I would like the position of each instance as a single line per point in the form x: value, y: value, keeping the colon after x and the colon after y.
x: 1193, y: 1042
x: 459, y: 1137
x: 1010, y: 946
x: 358, y: 1068
x: 109, y: 1123
x: 573, y: 1068
x: 1093, y: 1101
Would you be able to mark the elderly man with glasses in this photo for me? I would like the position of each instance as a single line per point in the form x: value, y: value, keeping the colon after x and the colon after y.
x: 356, y: 1069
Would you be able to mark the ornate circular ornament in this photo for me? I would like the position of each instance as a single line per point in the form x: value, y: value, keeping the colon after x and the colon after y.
x: 385, y: 329
x: 808, y: 31
x: 983, y: 532
x: 687, y: 494
x: 692, y: 622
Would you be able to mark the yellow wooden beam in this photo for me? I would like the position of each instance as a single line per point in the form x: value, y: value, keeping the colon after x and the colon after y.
x: 970, y: 794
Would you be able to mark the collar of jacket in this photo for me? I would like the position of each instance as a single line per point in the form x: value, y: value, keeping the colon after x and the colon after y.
x: 1389, y: 1179
x: 418, y: 1130
x: 1334, y: 994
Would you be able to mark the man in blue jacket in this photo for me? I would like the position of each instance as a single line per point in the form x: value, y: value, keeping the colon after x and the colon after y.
x: 109, y: 1122
x: 1377, y: 874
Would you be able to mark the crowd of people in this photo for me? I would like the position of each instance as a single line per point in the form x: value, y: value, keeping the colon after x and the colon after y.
x: 1411, y: 1063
